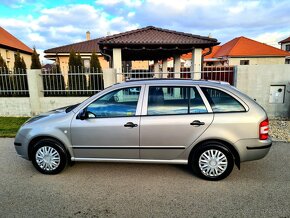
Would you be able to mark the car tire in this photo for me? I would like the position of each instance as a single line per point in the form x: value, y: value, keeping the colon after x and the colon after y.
x: 49, y: 156
x: 212, y: 161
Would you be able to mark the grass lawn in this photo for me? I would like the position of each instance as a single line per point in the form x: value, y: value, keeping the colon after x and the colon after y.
x: 10, y: 125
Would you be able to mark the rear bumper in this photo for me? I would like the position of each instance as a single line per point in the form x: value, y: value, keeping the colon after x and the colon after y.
x: 253, y: 149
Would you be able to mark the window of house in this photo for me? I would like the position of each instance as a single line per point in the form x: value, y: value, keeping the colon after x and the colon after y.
x: 221, y: 101
x: 174, y: 100
x: 287, y: 47
x: 118, y: 103
x: 244, y: 62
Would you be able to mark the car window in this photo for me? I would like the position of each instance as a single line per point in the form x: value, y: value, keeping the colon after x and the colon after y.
x: 221, y: 101
x: 196, y: 103
x: 118, y: 103
x: 174, y: 100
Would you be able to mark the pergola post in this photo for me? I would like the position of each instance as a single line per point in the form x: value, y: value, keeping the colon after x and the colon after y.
x: 177, y: 65
x: 196, y: 63
x: 164, y: 68
x: 117, y: 63
x: 156, y: 69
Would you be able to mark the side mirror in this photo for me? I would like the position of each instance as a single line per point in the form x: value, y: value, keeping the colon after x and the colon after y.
x: 83, y: 114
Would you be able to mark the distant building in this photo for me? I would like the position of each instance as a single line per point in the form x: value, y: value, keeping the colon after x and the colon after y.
x: 285, y: 45
x: 9, y: 45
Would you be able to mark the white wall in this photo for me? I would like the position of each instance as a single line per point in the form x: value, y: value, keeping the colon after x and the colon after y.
x: 256, y: 80
x: 258, y: 60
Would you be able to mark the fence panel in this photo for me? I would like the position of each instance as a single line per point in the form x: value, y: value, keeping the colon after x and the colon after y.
x: 76, y: 82
x: 13, y: 83
x: 222, y: 73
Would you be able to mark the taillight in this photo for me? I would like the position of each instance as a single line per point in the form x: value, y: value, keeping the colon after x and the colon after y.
x: 264, y: 130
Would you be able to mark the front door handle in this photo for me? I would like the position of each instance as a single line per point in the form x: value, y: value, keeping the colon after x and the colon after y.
x: 197, y: 123
x: 130, y: 124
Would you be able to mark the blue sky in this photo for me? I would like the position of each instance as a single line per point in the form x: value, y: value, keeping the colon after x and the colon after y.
x: 47, y: 23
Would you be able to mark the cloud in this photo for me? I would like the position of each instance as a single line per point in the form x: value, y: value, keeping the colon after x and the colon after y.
x: 265, y: 21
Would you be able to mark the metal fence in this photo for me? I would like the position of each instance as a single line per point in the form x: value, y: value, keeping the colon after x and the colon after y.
x: 226, y: 74
x: 78, y: 81
x: 13, y: 83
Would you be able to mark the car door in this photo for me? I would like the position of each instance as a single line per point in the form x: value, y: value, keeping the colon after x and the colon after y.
x: 173, y: 118
x: 111, y: 129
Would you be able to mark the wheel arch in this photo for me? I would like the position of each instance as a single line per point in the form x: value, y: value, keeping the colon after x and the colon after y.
x: 38, y: 138
x: 228, y: 145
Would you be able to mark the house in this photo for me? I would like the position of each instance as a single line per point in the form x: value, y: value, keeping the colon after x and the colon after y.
x: 9, y: 45
x: 285, y: 45
x: 245, y: 51
x: 85, y: 49
x: 242, y: 51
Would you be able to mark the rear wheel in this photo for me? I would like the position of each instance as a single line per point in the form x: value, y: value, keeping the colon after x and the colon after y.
x: 49, y: 156
x: 212, y: 161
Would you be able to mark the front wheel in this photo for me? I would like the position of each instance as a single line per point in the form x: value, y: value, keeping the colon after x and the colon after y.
x: 49, y: 156
x: 212, y: 161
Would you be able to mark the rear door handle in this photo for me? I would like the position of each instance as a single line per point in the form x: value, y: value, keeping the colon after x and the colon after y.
x: 130, y: 124
x: 197, y: 123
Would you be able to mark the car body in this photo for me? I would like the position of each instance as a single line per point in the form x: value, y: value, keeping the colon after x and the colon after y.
x: 208, y: 125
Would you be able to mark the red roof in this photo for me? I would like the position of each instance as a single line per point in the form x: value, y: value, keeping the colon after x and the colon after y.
x: 285, y: 40
x: 10, y: 41
x: 245, y: 47
x: 188, y: 56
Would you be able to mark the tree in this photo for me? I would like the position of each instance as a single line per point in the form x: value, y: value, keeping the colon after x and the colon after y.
x: 76, y: 81
x: 96, y: 79
x: 5, y: 81
x: 3, y: 66
x: 35, y: 62
x: 19, y: 77
x: 54, y: 81
x: 17, y: 61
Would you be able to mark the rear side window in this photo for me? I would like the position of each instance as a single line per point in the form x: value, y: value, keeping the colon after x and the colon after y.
x: 174, y: 100
x: 221, y: 101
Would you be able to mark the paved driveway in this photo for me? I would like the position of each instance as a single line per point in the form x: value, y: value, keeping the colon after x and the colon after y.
x: 259, y: 189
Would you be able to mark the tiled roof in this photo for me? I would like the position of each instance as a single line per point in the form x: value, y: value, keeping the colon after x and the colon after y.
x: 152, y: 35
x: 285, y: 40
x: 245, y: 47
x: 6, y: 39
x: 88, y: 46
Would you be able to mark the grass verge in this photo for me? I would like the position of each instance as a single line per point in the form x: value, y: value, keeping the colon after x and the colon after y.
x: 10, y: 125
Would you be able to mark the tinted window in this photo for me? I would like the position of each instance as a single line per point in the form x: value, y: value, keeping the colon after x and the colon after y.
x: 119, y: 103
x: 196, y: 103
x: 174, y: 100
x: 221, y: 101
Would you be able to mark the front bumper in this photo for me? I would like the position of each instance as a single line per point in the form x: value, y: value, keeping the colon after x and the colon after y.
x: 21, y: 146
x: 253, y: 149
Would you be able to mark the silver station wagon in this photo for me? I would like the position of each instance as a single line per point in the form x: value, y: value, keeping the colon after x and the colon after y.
x: 211, y: 126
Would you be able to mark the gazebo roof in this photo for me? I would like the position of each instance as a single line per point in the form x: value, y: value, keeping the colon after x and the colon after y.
x: 150, y: 43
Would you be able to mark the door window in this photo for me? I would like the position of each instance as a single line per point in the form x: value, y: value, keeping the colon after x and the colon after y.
x: 174, y: 100
x: 118, y: 103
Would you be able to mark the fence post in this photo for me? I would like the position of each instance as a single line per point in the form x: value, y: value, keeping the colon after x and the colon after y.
x: 35, y: 87
x: 235, y: 75
x: 110, y: 77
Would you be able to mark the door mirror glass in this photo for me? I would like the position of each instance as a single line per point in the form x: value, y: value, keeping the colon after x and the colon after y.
x: 82, y: 115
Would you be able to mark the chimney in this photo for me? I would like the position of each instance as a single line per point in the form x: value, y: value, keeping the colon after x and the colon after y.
x: 88, y: 35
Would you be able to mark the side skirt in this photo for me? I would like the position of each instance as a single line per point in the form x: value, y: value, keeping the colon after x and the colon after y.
x: 129, y: 160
